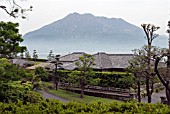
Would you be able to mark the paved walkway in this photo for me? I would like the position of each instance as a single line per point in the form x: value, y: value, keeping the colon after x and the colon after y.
x: 47, y: 95
x: 155, y: 97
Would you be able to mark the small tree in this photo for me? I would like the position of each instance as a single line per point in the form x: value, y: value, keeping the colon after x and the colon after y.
x: 58, y: 64
x: 35, y: 55
x: 27, y: 54
x: 137, y: 67
x: 39, y: 74
x: 50, y: 56
x: 165, y: 78
x: 150, y: 36
x: 85, y: 67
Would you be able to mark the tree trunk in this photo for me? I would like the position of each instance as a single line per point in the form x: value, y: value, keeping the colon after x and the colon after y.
x: 152, y: 86
x: 147, y: 89
x: 168, y: 97
x: 82, y: 91
x: 148, y: 74
x: 139, y: 96
x: 57, y: 80
x: 168, y: 78
x: 56, y: 85
x: 165, y: 83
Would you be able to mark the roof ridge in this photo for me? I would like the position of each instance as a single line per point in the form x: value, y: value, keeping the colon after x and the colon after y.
x: 78, y: 53
x: 121, y: 54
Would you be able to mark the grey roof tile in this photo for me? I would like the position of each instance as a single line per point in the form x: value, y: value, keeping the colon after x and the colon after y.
x: 71, y: 57
x: 120, y: 60
x: 102, y: 60
x: 20, y: 62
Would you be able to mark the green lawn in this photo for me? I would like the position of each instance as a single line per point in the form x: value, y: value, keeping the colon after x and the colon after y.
x: 76, y: 97
x: 36, y: 62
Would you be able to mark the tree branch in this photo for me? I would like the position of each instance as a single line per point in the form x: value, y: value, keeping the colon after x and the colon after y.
x: 4, y: 8
x: 157, y: 72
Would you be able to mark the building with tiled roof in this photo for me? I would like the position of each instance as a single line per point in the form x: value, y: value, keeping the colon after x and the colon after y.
x: 21, y: 62
x: 71, y: 57
x: 103, y: 61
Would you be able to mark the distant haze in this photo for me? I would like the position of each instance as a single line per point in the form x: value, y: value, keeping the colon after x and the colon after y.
x: 87, y: 33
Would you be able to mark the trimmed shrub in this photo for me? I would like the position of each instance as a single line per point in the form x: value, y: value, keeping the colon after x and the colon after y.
x: 107, y: 79
x: 32, y: 97
x: 57, y: 107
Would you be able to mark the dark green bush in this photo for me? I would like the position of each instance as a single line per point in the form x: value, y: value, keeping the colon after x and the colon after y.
x: 10, y: 72
x: 13, y: 91
x: 32, y: 97
x: 56, y: 107
x: 46, y: 85
x: 107, y: 79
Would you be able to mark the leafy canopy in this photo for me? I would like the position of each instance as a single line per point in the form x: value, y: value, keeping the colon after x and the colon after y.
x: 10, y: 39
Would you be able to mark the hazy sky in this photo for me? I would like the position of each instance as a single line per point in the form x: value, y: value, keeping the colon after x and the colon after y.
x: 136, y: 12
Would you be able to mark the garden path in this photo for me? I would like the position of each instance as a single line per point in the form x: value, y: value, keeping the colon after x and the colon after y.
x: 155, y: 97
x: 47, y: 95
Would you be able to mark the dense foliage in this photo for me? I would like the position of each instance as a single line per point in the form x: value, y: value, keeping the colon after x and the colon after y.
x: 35, y: 55
x: 84, y: 76
x: 10, y: 39
x: 107, y: 79
x: 11, y: 88
x: 115, y: 79
x: 40, y: 72
x: 9, y: 72
x: 56, y: 107
x: 16, y: 90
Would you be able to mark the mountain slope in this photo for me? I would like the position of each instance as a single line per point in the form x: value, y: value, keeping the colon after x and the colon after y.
x: 85, y: 32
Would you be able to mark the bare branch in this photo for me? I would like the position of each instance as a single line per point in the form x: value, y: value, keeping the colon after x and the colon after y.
x: 157, y: 71
x: 15, y: 10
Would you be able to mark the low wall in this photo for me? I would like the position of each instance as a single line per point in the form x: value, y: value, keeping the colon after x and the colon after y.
x: 98, y: 88
x: 104, y: 94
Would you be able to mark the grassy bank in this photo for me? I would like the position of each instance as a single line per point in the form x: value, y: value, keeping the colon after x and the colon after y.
x: 76, y: 97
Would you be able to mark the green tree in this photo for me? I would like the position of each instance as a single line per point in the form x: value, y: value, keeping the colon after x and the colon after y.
x: 10, y: 39
x: 41, y: 72
x: 36, y: 76
x: 27, y: 54
x: 11, y: 89
x: 50, y: 56
x: 35, y: 55
x: 58, y: 64
x: 12, y: 8
x: 10, y: 72
x: 150, y: 36
x: 137, y: 67
x: 165, y: 78
x: 85, y: 67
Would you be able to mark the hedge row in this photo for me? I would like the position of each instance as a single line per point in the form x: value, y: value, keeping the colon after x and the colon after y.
x: 107, y: 79
x: 56, y: 107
